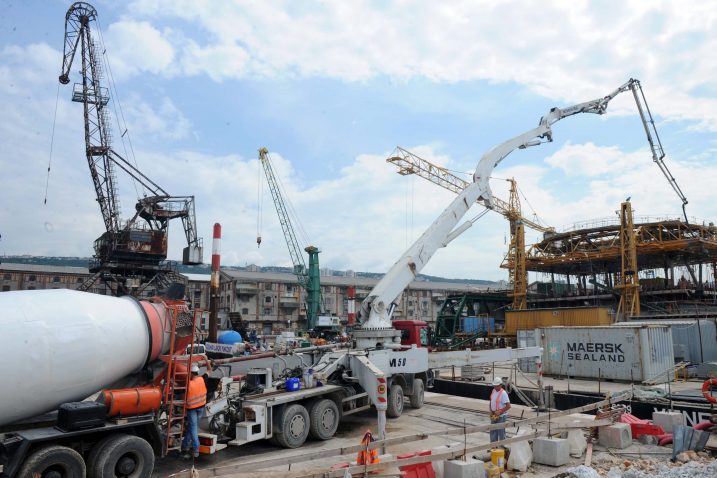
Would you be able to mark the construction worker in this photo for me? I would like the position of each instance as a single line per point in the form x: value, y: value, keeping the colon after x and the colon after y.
x: 365, y: 456
x: 499, y: 406
x: 196, y: 398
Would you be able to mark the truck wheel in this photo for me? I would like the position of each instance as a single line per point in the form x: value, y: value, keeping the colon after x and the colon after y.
x: 417, y: 398
x: 395, y: 401
x: 324, y: 415
x: 53, y: 462
x: 291, y: 426
x: 122, y: 455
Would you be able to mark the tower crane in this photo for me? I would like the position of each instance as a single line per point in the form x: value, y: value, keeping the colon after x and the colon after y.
x: 130, y: 255
x: 409, y: 163
x: 308, y: 278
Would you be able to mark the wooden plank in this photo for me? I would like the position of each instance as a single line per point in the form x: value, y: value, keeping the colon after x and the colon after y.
x: 589, y: 454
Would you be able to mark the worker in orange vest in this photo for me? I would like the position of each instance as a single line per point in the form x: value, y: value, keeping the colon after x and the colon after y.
x: 195, y: 400
x: 367, y: 457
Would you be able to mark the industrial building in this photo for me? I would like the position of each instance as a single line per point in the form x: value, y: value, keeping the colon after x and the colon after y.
x: 266, y: 301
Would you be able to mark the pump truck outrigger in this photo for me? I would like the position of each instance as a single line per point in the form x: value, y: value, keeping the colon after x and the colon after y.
x: 374, y: 370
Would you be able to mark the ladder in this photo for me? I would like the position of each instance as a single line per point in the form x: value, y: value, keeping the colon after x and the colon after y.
x: 178, y: 375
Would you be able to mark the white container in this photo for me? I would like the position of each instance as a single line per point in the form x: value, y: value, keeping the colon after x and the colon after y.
x: 616, y: 353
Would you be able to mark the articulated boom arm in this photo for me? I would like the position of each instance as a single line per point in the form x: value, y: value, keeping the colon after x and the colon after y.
x: 376, y: 309
x: 599, y: 106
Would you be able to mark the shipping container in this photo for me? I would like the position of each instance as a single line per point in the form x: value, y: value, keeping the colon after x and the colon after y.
x: 692, y: 343
x: 526, y: 338
x: 568, y: 317
x: 615, y: 353
x: 474, y: 325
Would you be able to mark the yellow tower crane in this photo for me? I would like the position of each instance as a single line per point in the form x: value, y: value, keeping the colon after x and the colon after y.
x: 408, y: 163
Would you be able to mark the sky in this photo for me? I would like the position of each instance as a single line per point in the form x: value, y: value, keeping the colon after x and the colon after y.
x: 331, y: 88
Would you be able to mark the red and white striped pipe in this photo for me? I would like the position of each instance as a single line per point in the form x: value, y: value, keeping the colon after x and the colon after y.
x: 351, y: 296
x: 216, y: 253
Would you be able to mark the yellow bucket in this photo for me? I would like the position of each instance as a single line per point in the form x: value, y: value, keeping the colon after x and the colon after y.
x: 497, y: 457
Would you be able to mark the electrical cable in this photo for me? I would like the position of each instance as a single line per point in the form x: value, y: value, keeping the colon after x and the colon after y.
x: 52, y: 142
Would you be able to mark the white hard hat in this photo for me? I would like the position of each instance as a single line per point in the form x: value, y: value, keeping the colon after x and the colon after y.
x: 497, y: 381
x: 195, y: 368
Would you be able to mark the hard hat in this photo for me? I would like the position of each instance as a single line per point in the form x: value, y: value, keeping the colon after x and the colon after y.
x: 497, y: 381
x: 195, y: 368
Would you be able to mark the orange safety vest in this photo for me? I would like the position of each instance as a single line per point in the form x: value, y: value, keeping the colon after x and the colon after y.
x: 196, y: 393
x: 367, y: 457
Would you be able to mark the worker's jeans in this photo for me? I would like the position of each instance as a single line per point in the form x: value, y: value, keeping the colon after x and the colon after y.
x: 497, y: 435
x: 191, y: 431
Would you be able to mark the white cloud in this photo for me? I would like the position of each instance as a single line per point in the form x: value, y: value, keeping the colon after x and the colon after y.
x: 136, y: 47
x: 163, y: 121
x: 568, y: 52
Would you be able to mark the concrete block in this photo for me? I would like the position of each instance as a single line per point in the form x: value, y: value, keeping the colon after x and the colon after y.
x: 618, y: 435
x: 667, y: 420
x: 578, y: 443
x: 463, y: 469
x: 551, y: 451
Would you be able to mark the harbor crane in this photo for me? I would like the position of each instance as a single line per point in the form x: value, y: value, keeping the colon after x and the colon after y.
x: 130, y: 256
x: 309, y: 278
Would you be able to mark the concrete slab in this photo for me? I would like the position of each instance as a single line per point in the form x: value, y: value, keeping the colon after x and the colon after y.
x: 551, y: 451
x: 667, y: 420
x: 618, y: 435
x: 463, y: 469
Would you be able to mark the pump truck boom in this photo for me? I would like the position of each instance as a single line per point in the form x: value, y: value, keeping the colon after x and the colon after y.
x: 375, y: 370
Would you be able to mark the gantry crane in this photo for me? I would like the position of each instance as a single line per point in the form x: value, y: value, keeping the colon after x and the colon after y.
x: 130, y: 256
x: 308, y: 278
x: 409, y: 163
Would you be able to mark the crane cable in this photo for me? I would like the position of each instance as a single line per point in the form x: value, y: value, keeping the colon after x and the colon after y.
x: 116, y: 104
x: 52, y: 142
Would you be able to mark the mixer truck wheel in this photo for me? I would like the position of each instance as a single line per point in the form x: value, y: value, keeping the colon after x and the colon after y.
x: 395, y: 401
x: 122, y: 455
x: 418, y: 389
x: 53, y: 462
x: 291, y: 426
x: 324, y: 415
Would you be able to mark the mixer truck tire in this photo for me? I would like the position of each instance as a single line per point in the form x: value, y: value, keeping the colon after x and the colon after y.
x: 324, y: 416
x: 121, y: 455
x: 416, y: 398
x: 291, y: 426
x: 56, y: 461
x: 395, y: 401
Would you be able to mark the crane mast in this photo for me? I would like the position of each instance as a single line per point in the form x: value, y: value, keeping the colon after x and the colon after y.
x: 308, y: 278
x: 129, y: 256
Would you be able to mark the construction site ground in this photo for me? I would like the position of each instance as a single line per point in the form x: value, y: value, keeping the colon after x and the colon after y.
x: 439, y: 413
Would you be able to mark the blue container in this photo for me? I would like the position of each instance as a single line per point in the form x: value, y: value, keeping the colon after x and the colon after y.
x: 471, y: 325
x: 230, y: 337
x: 488, y: 324
x: 475, y: 325
x: 293, y: 384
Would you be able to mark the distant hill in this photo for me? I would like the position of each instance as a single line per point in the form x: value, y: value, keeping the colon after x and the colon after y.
x: 206, y: 268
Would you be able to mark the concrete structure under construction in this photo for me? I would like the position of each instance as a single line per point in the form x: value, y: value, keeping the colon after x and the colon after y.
x: 676, y: 263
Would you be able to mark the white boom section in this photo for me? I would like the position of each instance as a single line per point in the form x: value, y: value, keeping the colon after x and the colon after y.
x: 376, y: 309
x: 479, y: 357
